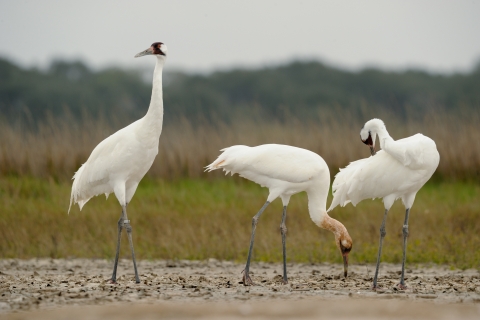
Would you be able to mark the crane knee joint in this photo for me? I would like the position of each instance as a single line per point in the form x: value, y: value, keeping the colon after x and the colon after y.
x: 383, y: 232
x: 405, y: 230
x: 283, y: 229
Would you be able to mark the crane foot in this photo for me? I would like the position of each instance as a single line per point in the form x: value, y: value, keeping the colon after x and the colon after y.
x: 247, y: 281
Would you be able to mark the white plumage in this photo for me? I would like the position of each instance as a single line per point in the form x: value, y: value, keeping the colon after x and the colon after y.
x: 395, y: 172
x: 274, y: 166
x: 399, y: 170
x: 118, y: 163
x: 285, y: 171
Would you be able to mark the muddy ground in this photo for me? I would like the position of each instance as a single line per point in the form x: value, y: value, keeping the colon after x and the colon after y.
x: 59, y: 289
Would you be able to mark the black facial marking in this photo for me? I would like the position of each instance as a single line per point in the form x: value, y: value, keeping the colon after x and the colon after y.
x: 344, y: 249
x: 156, y: 48
x: 368, y: 141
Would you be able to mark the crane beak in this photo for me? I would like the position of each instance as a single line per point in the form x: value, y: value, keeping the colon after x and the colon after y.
x: 149, y: 51
x: 372, y: 150
x: 345, y: 264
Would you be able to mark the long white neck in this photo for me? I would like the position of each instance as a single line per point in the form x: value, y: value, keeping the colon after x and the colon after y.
x: 383, y: 136
x: 317, y: 207
x: 153, y: 120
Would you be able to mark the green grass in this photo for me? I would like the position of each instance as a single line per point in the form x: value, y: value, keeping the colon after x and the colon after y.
x: 200, y: 219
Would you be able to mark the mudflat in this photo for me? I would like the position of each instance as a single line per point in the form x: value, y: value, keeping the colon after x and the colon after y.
x: 80, y: 289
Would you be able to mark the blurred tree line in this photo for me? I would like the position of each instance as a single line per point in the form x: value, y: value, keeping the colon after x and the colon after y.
x: 302, y: 88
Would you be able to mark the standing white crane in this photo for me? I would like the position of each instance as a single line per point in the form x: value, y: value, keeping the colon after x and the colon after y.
x: 285, y: 171
x: 399, y: 170
x: 118, y: 163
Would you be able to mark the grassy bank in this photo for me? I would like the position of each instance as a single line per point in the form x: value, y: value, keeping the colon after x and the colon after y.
x: 199, y: 219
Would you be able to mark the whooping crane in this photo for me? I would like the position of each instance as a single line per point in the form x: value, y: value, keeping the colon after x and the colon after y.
x: 118, y: 163
x: 399, y: 170
x: 285, y: 171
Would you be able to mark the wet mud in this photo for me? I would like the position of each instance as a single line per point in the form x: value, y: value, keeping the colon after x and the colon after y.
x: 50, y: 287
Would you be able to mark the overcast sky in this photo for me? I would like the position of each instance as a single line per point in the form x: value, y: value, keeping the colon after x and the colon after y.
x: 439, y: 36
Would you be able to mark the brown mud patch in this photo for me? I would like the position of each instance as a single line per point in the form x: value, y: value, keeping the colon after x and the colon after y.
x: 213, y: 289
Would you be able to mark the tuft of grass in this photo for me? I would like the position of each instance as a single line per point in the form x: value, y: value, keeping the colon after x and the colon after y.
x: 200, y: 219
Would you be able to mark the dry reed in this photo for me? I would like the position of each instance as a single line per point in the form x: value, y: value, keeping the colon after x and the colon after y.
x: 57, y: 147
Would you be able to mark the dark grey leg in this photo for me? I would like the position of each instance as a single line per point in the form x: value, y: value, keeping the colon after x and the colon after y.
x: 383, y: 232
x: 283, y: 231
x: 128, y: 227
x: 120, y: 227
x: 405, y: 235
x: 246, y: 277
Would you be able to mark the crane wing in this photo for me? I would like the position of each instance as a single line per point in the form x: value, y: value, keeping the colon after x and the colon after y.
x: 411, y: 151
x: 274, y: 161
x: 92, y: 177
x: 373, y: 177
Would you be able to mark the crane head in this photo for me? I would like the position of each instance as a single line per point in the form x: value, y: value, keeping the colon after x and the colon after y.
x: 342, y: 238
x: 345, y: 244
x: 369, y: 132
x: 368, y: 141
x: 157, y: 48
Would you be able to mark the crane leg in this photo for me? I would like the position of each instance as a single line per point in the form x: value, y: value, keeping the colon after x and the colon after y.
x: 246, y: 277
x: 383, y: 232
x: 405, y: 235
x: 128, y: 228
x: 283, y: 231
x: 120, y: 227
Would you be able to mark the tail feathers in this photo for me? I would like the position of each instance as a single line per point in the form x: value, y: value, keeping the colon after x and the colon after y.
x: 80, y: 203
x: 70, y: 206
x: 224, y: 159
x: 340, y: 197
x: 74, y: 199
x: 217, y: 165
x: 214, y: 165
x: 75, y: 196
x: 87, y: 183
x: 341, y: 185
